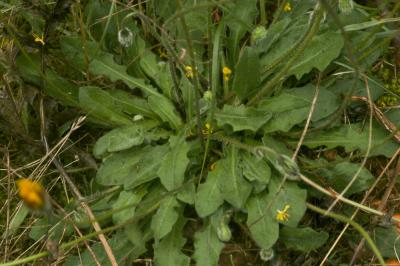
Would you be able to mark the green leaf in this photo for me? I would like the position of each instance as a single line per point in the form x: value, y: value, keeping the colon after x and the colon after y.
x: 168, y: 252
x: 61, y: 89
x: 165, y: 217
x: 207, y: 246
x: 131, y: 104
x: 369, y: 24
x: 52, y: 228
x: 158, y: 71
x: 274, y: 32
x: 242, y: 117
x: 17, y: 219
x: 353, y: 137
x: 174, y: 163
x: 302, y: 239
x: 106, y: 66
x: 286, y: 42
x: 52, y: 84
x: 292, y: 107
x: 28, y: 67
x: 197, y: 22
x: 126, y: 198
x: 96, y: 14
x: 119, y: 244
x: 341, y: 87
x: 165, y: 9
x: 165, y: 110
x: 239, y: 21
x: 322, y: 50
x: 255, y: 168
x: 340, y: 175
x: 122, y: 138
x: 387, y: 241
x: 394, y: 116
x: 74, y: 54
x: 247, y: 74
x: 187, y: 193
x: 132, y: 167
x: 234, y: 188
x: 101, y: 63
x: 208, y: 196
x: 138, y: 239
x: 289, y: 194
x: 97, y: 103
x: 261, y: 221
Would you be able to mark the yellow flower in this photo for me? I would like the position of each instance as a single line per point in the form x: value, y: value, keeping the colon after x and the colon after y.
x: 227, y: 73
x: 39, y: 39
x: 283, y: 215
x: 287, y: 7
x: 189, y: 72
x: 162, y: 52
x: 32, y: 193
x: 207, y: 129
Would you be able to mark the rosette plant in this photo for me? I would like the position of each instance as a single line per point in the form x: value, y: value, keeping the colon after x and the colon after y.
x: 218, y: 123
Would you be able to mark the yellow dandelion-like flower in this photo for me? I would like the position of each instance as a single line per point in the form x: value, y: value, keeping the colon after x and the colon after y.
x: 39, y: 39
x: 283, y: 215
x: 227, y: 73
x: 189, y: 72
x: 207, y: 129
x: 32, y: 193
x: 162, y: 52
x: 287, y: 7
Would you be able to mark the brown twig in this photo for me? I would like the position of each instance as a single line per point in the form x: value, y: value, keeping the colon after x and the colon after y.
x: 75, y: 190
x: 381, y: 206
x: 89, y: 249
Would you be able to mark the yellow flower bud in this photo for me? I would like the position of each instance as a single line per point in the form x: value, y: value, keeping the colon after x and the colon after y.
x: 287, y: 7
x: 207, y: 129
x: 227, y: 73
x: 32, y: 193
x: 189, y: 72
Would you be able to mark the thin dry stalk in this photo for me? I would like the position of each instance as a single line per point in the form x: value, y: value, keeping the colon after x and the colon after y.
x: 365, y: 198
x: 74, y: 189
x: 381, y: 206
x: 354, y: 178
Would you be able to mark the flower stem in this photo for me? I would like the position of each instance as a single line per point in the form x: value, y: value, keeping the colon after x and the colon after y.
x: 356, y: 226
